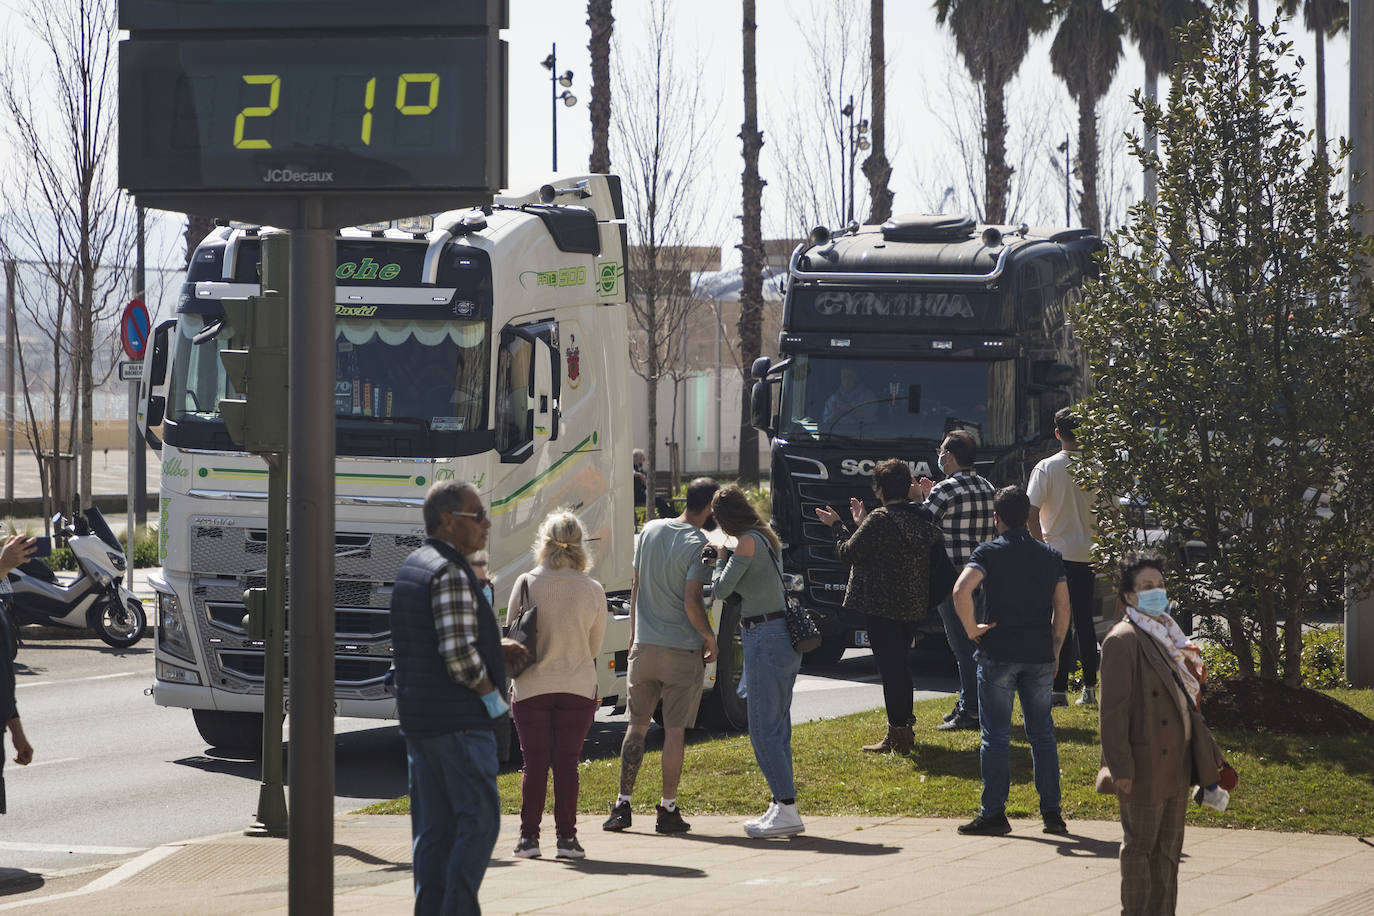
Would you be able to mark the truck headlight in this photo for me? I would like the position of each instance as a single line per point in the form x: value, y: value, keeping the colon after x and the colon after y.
x: 172, y: 635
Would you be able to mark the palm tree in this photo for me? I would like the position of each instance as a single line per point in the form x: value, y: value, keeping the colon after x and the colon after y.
x: 992, y: 36
x: 751, y: 249
x: 601, y: 23
x: 877, y: 169
x: 1325, y: 19
x: 1151, y: 24
x: 1085, y: 54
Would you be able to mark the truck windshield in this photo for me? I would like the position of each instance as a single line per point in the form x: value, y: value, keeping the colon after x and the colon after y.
x: 428, y: 373
x: 825, y: 398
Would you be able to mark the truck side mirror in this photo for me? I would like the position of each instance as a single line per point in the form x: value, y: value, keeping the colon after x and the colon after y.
x: 761, y: 407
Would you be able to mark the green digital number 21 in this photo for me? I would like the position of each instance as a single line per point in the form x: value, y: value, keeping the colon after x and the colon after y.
x: 273, y: 82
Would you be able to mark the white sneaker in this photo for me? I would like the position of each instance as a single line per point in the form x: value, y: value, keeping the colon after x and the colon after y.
x: 1217, y: 798
x: 1089, y: 697
x: 779, y: 820
x: 756, y: 821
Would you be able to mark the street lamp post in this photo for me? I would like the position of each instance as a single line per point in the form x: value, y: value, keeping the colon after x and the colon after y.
x: 557, y: 79
x: 857, y: 137
x: 1068, y: 191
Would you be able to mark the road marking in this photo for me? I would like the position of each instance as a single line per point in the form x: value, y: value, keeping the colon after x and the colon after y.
x: 80, y: 850
x: 48, y: 763
x: 819, y: 684
x: 74, y: 680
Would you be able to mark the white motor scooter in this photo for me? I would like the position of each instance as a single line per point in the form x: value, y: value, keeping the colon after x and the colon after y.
x: 95, y: 599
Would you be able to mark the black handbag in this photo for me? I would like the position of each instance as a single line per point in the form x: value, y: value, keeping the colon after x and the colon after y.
x: 806, y: 636
x: 524, y: 629
x: 942, y: 574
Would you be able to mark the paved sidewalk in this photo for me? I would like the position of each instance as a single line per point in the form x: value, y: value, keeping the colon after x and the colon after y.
x: 849, y: 865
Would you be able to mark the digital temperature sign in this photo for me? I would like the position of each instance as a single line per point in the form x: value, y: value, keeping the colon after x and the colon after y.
x: 305, y: 114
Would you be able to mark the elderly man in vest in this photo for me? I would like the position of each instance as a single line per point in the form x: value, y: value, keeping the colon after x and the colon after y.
x: 449, y: 677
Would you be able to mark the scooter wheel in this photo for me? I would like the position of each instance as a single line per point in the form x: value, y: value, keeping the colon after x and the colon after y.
x: 121, y: 627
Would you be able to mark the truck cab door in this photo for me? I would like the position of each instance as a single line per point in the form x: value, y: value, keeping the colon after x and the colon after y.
x: 152, y: 388
x: 527, y: 390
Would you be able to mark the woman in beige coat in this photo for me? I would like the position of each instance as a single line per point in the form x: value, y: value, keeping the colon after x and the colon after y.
x: 1153, y: 736
x: 555, y: 697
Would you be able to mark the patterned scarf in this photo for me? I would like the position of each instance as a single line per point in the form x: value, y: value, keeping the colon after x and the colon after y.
x: 1176, y: 645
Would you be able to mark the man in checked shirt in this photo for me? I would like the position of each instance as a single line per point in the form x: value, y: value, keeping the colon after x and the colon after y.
x: 962, y: 506
x: 449, y: 677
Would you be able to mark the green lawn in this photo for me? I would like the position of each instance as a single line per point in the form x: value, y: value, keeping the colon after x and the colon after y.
x: 1290, y: 783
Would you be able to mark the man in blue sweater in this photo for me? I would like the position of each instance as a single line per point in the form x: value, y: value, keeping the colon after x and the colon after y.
x: 1027, y: 604
x: 450, y: 682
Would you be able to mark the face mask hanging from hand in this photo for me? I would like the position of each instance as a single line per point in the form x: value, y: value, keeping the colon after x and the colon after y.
x: 1152, y: 602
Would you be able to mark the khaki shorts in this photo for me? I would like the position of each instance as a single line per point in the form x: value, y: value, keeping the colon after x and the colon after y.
x: 673, y: 675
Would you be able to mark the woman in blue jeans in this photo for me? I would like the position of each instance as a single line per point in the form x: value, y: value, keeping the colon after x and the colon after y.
x: 754, y: 573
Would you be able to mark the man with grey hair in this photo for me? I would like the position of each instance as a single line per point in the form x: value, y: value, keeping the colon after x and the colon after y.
x: 449, y: 677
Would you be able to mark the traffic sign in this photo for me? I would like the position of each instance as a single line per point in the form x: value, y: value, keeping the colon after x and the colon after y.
x: 130, y: 372
x: 134, y: 325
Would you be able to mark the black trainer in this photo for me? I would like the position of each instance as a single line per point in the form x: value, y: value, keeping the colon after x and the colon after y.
x: 1054, y: 823
x: 619, y: 819
x: 987, y: 826
x: 671, y: 821
x: 952, y: 714
x: 960, y: 722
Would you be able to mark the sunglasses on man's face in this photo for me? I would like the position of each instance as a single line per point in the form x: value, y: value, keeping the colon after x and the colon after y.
x: 479, y: 516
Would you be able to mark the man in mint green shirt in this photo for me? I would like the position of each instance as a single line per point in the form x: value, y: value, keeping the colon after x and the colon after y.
x: 671, y: 641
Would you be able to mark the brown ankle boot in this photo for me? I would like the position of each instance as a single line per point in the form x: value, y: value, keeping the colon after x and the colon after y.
x: 900, y: 740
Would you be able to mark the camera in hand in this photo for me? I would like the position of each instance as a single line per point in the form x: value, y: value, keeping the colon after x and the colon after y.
x: 709, y: 555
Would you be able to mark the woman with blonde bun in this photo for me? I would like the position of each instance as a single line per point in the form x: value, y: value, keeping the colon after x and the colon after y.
x: 555, y: 697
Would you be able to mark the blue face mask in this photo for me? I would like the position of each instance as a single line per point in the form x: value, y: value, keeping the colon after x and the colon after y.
x: 490, y: 595
x: 1152, y: 601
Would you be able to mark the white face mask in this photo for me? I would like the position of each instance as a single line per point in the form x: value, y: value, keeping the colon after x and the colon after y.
x: 1152, y: 601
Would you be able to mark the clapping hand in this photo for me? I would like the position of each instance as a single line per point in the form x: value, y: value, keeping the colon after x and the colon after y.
x: 925, y: 485
x: 857, y: 510
x: 828, y: 516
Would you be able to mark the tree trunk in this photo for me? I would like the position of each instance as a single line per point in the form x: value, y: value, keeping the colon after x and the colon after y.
x: 997, y: 177
x: 1321, y: 95
x: 1088, y: 213
x: 877, y: 169
x: 751, y: 253
x: 651, y: 452
x: 602, y: 24
x: 197, y: 228
x: 1151, y: 140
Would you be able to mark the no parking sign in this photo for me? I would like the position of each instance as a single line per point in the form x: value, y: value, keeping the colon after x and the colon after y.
x: 133, y: 328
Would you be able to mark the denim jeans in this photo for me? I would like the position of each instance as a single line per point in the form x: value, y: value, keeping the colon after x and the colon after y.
x: 771, y: 664
x: 455, y: 817
x: 963, y: 647
x: 999, y: 683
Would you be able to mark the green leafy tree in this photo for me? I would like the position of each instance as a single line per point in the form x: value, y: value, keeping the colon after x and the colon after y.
x: 1233, y: 384
x: 992, y: 37
x: 1084, y: 54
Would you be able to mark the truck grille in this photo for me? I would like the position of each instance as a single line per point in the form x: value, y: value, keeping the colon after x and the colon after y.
x: 229, y: 559
x: 356, y: 671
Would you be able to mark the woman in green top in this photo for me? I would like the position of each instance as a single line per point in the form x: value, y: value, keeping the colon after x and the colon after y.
x: 754, y: 573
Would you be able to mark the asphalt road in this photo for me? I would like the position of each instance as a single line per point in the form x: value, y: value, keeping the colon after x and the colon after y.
x: 115, y: 774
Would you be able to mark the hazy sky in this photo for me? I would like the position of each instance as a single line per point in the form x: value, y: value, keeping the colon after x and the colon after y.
x: 920, y: 106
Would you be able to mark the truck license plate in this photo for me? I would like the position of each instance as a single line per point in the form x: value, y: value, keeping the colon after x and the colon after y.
x: 861, y: 639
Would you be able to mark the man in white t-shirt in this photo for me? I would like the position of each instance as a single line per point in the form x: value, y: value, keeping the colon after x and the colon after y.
x: 1061, y: 515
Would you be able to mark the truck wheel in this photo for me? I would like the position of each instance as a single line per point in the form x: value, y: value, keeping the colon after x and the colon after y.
x: 723, y: 709
x: 240, y: 732
x: 828, y: 653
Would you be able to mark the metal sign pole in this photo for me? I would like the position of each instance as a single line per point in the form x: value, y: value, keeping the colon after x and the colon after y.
x: 133, y: 482
x: 311, y: 678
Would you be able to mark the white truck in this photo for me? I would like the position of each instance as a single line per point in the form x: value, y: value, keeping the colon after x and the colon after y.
x: 491, y: 348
